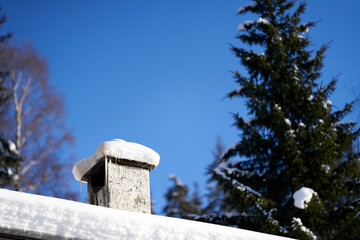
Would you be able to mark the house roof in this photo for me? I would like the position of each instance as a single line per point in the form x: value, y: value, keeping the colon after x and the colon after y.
x: 30, y: 216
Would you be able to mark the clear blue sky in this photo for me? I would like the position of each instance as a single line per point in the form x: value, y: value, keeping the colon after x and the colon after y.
x: 155, y: 72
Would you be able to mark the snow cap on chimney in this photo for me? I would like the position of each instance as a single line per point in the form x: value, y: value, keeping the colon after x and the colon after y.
x: 119, y: 149
x: 118, y: 175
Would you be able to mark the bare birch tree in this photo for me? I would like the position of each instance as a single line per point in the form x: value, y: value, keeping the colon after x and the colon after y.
x: 35, y: 117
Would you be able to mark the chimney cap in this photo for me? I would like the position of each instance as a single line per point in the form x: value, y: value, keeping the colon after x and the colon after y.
x: 119, y: 149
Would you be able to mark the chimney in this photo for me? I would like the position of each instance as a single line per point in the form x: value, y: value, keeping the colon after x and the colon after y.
x: 117, y: 175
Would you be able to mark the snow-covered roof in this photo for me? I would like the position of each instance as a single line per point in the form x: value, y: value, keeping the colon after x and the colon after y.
x: 40, y: 217
x: 120, y: 149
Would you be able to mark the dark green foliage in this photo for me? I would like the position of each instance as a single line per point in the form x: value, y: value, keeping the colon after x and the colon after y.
x: 179, y: 204
x: 9, y: 158
x: 215, y: 193
x: 4, y: 93
x: 293, y: 139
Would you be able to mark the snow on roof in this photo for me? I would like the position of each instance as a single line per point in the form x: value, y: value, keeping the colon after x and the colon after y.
x: 46, y: 216
x: 302, y: 196
x: 119, y: 149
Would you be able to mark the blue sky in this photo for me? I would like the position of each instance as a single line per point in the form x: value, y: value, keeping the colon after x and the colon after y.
x: 155, y: 72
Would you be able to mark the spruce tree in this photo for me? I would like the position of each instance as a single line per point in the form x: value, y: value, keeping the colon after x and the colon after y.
x: 179, y: 204
x: 215, y: 193
x: 292, y: 137
x: 9, y: 157
x: 9, y: 160
x: 4, y: 93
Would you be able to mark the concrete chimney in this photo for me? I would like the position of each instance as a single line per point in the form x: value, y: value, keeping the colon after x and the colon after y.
x: 117, y: 175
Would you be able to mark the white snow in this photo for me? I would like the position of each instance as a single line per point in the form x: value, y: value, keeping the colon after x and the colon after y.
x: 344, y: 123
x: 177, y: 180
x: 238, y: 89
x: 277, y: 107
x: 311, y: 97
x: 291, y: 133
x: 232, y: 214
x: 263, y: 20
x: 326, y: 168
x: 244, y: 188
x: 232, y: 147
x: 327, y: 103
x: 303, y: 196
x: 12, y: 146
x: 223, y: 167
x: 301, y: 124
x: 298, y: 223
x: 241, y: 9
x: 301, y: 37
x: 241, y: 27
x: 288, y: 122
x: 306, y: 28
x: 119, y: 149
x: 249, y: 120
x: 58, y: 217
x: 296, y: 69
x: 16, y: 177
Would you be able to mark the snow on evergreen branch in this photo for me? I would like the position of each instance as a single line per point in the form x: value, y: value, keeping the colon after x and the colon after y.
x: 303, y: 196
x: 301, y: 124
x: 291, y: 133
x: 224, y: 170
x: 177, y: 180
x: 263, y: 20
x: 247, y: 23
x: 298, y: 225
x: 304, y: 28
x: 249, y: 120
x: 247, y: 7
x: 242, y: 26
x: 226, y: 152
x: 326, y: 168
x: 277, y: 107
x: 288, y: 122
x: 228, y: 169
x: 239, y: 88
x: 327, y: 104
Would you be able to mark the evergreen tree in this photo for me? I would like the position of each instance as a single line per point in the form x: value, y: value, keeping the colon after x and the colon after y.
x: 215, y: 194
x: 179, y: 204
x: 4, y: 93
x: 9, y: 160
x: 9, y: 157
x: 293, y: 137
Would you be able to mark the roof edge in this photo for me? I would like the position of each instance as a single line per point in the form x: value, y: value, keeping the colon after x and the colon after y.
x: 20, y: 234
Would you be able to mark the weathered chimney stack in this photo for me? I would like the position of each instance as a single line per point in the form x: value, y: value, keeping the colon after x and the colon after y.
x: 117, y: 175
